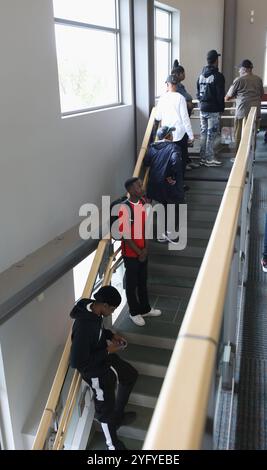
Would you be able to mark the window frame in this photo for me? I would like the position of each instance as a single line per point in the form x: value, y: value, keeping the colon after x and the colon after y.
x: 168, y: 40
x: 117, y: 32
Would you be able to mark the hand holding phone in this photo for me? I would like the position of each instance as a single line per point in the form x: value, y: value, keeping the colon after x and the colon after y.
x: 123, y: 344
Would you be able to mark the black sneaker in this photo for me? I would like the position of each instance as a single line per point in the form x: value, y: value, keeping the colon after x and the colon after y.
x: 119, y: 445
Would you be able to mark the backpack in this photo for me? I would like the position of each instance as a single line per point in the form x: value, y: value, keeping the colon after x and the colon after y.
x: 115, y: 217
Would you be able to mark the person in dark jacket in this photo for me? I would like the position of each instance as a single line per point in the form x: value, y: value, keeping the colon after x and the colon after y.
x: 165, y: 183
x: 93, y: 354
x: 210, y: 92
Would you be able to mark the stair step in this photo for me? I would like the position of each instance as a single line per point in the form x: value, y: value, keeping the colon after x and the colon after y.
x: 171, y: 280
x: 146, y: 391
x: 154, y: 333
x: 201, y: 212
x: 195, y: 248
x: 196, y: 229
x: 199, y: 229
x: 204, y: 184
x: 204, y: 191
x: 166, y: 265
x: 183, y: 261
x: 138, y: 429
x: 98, y: 442
x: 160, y: 289
x: 147, y: 360
x: 195, y: 197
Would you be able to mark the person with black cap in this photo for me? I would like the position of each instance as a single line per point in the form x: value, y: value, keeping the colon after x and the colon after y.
x: 93, y: 354
x: 248, y: 90
x: 210, y: 93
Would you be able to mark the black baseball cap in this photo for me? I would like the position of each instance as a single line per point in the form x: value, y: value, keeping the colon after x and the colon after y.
x: 212, y: 56
x: 246, y: 63
x: 172, y: 79
x: 108, y: 295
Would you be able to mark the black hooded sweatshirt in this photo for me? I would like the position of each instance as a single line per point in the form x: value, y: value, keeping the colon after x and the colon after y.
x: 89, y: 341
x: 211, y: 90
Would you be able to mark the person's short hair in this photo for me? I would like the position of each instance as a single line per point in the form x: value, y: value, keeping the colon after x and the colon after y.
x: 212, y: 56
x: 246, y: 64
x: 129, y: 182
x: 108, y: 295
x: 164, y: 131
x: 172, y: 79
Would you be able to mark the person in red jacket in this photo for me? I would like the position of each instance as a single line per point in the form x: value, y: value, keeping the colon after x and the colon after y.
x: 134, y: 252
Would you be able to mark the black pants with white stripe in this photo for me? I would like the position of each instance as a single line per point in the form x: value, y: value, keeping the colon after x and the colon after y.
x: 109, y: 405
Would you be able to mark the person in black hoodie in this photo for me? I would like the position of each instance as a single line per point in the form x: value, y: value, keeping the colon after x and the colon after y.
x: 165, y: 182
x: 210, y: 92
x: 93, y: 354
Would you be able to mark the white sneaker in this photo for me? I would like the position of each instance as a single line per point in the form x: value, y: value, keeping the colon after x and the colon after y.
x: 138, y: 320
x: 212, y: 163
x: 154, y: 312
x: 163, y: 238
x: 166, y: 239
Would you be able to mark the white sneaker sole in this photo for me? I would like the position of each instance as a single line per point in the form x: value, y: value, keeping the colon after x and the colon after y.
x: 137, y: 324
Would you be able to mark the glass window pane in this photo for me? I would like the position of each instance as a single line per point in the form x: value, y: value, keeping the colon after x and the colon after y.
x: 101, y: 13
x: 265, y: 68
x: 162, y: 24
x: 265, y: 73
x: 162, y: 66
x: 84, y: 80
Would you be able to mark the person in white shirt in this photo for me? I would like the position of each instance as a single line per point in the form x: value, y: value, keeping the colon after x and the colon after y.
x: 172, y: 112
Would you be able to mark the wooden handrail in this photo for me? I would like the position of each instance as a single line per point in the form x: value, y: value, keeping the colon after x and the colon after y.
x: 56, y: 388
x: 112, y: 269
x: 187, y: 383
x: 67, y: 411
x: 110, y: 261
x: 145, y: 143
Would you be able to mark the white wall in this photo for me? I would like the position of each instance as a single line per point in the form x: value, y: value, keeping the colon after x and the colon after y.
x: 251, y: 37
x: 201, y: 25
x: 29, y: 343
x: 49, y: 166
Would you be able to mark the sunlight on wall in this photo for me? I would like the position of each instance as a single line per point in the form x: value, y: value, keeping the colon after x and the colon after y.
x: 80, y: 274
